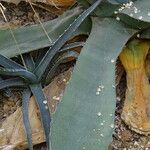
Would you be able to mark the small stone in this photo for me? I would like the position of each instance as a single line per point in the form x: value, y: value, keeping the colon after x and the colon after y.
x: 142, y: 146
x: 101, y: 135
x: 115, y: 12
x: 136, y: 143
x: 117, y: 18
x: 45, y: 101
x: 148, y: 13
x: 83, y: 147
x: 2, y: 130
x: 58, y: 98
x: 64, y: 80
x: 54, y: 97
x: 118, y: 98
x: 138, y: 35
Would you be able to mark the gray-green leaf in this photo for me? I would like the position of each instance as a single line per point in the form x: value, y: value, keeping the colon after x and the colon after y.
x: 33, y: 37
x: 85, y: 117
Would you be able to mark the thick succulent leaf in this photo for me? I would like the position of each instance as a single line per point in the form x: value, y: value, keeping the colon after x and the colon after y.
x: 25, y: 103
x: 29, y: 62
x: 33, y: 37
x: 42, y: 104
x: 71, y: 45
x: 18, y: 72
x: 142, y: 10
x: 119, y: 1
x: 40, y: 69
x: 84, y: 119
x: 145, y: 34
x: 132, y: 22
x: 105, y: 9
x: 131, y: 16
x: 64, y: 54
x: 15, y: 82
x: 85, y: 3
x: 8, y: 63
x: 137, y: 15
x: 62, y: 59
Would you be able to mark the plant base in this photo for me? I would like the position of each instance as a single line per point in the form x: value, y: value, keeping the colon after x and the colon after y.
x: 136, y: 110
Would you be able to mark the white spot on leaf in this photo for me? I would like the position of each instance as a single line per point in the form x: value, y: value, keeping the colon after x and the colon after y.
x: 99, y: 114
x: 117, y: 18
x: 140, y: 17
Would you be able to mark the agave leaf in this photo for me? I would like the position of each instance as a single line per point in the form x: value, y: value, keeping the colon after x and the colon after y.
x: 105, y: 9
x: 120, y: 1
x: 84, y: 119
x: 18, y: 72
x: 43, y: 65
x: 25, y: 103
x: 8, y: 63
x: 84, y: 3
x: 70, y: 46
x: 64, y: 54
x: 142, y: 10
x: 33, y: 37
x: 138, y: 20
x: 29, y: 62
x: 15, y: 82
x: 138, y: 15
x: 145, y: 34
x: 58, y: 61
x: 45, y: 114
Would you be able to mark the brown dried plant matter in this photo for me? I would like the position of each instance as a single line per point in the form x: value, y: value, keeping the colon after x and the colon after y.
x: 57, y: 3
x: 136, y: 109
x: 61, y: 2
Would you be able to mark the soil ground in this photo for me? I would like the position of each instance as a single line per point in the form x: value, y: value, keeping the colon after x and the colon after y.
x: 23, y: 15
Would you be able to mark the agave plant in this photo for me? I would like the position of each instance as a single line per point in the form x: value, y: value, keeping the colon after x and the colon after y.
x: 32, y: 76
x: 85, y: 117
x: 86, y: 113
